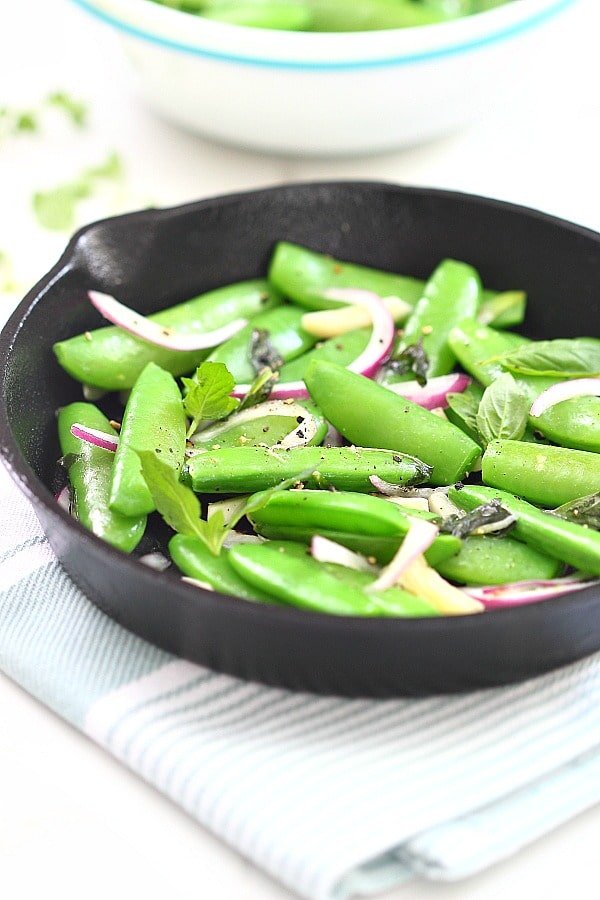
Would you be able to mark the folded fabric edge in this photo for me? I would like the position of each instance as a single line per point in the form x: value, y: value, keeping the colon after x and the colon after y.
x: 463, y: 847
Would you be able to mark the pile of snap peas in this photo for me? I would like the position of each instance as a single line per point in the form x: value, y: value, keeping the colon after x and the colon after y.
x: 318, y: 499
x: 332, y: 15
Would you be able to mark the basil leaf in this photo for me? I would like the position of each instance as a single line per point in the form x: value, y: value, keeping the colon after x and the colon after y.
x: 504, y: 310
x: 465, y: 407
x: 561, y: 358
x: 263, y: 355
x: 503, y: 411
x: 584, y: 511
x: 177, y: 504
x: 208, y: 394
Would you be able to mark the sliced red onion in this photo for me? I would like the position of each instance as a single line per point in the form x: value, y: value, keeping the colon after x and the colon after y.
x: 153, y: 333
x: 435, y: 393
x: 367, y: 363
x: 308, y: 427
x: 157, y: 561
x: 518, y: 593
x: 419, y: 537
x: 333, y: 438
x: 94, y: 437
x: 324, y: 550
x: 63, y: 498
x: 565, y: 390
x: 195, y: 582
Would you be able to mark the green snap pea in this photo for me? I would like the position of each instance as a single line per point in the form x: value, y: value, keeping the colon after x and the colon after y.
x: 452, y: 294
x: 373, y: 15
x: 546, y: 475
x: 90, y: 476
x: 341, y: 350
x: 285, y: 332
x: 111, y: 359
x: 194, y: 559
x: 239, y: 470
x: 306, y: 276
x: 574, y: 544
x: 266, y: 430
x: 372, y: 416
x: 573, y: 423
x: 369, y: 525
x: 281, y: 16
x: 299, y: 580
x: 497, y: 560
x: 154, y: 420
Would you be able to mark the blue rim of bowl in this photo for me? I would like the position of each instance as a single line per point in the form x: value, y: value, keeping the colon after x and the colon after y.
x: 307, y: 65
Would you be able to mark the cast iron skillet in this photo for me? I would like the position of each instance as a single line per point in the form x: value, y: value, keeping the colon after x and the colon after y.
x: 155, y: 258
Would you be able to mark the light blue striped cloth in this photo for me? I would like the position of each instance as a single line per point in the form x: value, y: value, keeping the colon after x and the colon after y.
x: 335, y: 798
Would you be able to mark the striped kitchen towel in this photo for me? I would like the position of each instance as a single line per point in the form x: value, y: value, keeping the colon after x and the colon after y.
x: 335, y: 798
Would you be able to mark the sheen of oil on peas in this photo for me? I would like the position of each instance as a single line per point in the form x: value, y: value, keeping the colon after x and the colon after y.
x: 111, y: 359
x: 243, y: 469
x: 376, y: 417
x: 452, y: 294
x: 305, y: 277
x: 546, y: 475
x: 90, y: 476
x: 154, y: 421
x: 283, y: 329
x: 566, y: 541
x: 298, y: 579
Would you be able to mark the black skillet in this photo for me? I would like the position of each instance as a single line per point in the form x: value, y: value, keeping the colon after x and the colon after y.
x: 155, y: 258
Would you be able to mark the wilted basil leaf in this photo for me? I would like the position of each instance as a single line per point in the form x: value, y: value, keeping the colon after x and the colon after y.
x: 584, y: 511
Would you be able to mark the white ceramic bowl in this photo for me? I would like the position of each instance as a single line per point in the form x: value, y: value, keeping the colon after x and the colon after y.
x: 329, y: 94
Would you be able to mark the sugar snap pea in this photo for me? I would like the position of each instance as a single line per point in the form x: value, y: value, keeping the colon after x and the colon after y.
x: 376, y: 417
x: 574, y: 544
x: 239, y: 470
x: 452, y: 294
x: 546, y: 475
x: 301, y: 581
x: 266, y: 429
x: 306, y: 277
x: 573, y: 423
x: 154, y: 420
x: 497, y: 560
x: 194, y: 559
x: 340, y: 350
x: 360, y: 522
x: 283, y: 328
x: 112, y: 359
x: 90, y: 475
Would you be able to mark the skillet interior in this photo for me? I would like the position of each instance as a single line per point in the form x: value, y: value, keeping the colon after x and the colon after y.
x: 155, y: 258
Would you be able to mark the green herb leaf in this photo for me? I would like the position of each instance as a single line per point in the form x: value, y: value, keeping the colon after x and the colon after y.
x: 111, y: 168
x: 263, y: 355
x: 584, y: 511
x: 180, y: 508
x: 411, y: 359
x: 260, y: 389
x: 503, y: 411
x: 56, y: 209
x: 466, y: 406
x: 76, y: 110
x: 208, y: 394
x: 560, y: 358
x: 504, y: 310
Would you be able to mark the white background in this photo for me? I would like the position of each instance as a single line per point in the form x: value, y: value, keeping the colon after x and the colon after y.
x: 73, y: 823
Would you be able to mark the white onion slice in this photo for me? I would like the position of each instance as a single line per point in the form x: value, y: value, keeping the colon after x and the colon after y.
x: 434, y: 394
x: 96, y: 438
x: 419, y: 538
x: 519, y: 593
x: 195, y: 582
x: 441, y: 505
x: 324, y: 550
x: 229, y: 508
x: 232, y: 538
x: 328, y: 323
x: 366, y: 363
x: 398, y: 490
x: 309, y: 426
x: 63, y: 498
x: 147, y: 330
x: 565, y: 390
x: 157, y: 561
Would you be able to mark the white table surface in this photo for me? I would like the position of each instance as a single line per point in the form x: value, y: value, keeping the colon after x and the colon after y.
x: 73, y: 822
